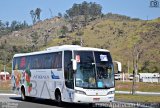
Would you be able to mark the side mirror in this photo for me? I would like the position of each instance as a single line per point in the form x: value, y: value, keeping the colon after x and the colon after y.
x: 119, y: 66
x: 74, y: 63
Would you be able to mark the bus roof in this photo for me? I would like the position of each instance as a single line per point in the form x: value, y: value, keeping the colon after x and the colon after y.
x: 62, y: 48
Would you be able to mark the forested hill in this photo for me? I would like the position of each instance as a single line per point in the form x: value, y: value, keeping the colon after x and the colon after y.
x: 127, y: 39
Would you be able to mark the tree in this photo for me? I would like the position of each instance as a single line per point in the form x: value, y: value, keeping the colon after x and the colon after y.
x: 64, y: 30
x: 51, y: 13
x: 70, y: 13
x: 137, y: 51
x: 76, y: 9
x: 37, y: 13
x: 7, y: 24
x: 13, y: 25
x: 24, y: 24
x: 33, y: 16
x: 66, y: 16
x: 46, y: 36
x: 85, y: 11
x: 1, y: 24
x: 95, y: 9
x: 80, y: 33
x: 35, y: 38
x: 59, y: 14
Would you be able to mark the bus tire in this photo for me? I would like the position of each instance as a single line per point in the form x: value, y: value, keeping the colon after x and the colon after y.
x: 58, y: 98
x: 91, y: 105
x: 23, y: 96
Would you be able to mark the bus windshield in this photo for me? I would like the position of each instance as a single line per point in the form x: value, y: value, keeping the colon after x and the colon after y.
x: 94, y: 69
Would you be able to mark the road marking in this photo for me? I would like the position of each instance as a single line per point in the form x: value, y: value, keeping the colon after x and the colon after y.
x: 8, y: 94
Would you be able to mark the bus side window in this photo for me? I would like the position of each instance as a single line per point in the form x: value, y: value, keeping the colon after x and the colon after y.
x: 33, y: 62
x: 15, y: 63
x: 57, y: 60
x: 22, y: 64
x: 68, y: 72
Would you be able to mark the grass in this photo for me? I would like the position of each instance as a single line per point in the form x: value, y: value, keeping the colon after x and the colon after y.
x: 136, y: 98
x: 120, y: 86
x: 140, y: 86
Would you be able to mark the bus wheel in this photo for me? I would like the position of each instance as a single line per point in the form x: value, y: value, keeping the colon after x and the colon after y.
x: 91, y: 105
x: 23, y: 96
x: 58, y: 98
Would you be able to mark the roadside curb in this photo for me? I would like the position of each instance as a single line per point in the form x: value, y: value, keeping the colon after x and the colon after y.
x: 139, y: 93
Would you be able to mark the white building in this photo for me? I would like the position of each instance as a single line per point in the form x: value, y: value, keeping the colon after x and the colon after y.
x: 149, y: 77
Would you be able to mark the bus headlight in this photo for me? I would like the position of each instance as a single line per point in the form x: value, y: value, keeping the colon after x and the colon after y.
x: 80, y: 92
x: 110, y: 92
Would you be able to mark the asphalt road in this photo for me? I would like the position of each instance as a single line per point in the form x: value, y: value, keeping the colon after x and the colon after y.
x: 14, y: 101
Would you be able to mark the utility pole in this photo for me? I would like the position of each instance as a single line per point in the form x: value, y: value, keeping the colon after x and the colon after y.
x: 128, y: 67
x: 81, y: 41
x: 5, y: 71
x: 133, y: 83
x: 5, y: 64
x: 4, y: 53
x: 159, y: 78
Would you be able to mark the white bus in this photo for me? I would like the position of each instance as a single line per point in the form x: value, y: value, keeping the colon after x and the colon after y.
x: 67, y: 73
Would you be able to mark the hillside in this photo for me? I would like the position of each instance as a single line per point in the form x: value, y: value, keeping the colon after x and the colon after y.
x: 119, y: 35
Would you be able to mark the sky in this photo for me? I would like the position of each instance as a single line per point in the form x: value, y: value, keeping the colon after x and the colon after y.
x: 19, y: 10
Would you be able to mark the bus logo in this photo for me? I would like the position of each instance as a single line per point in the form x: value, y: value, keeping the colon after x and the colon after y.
x: 154, y: 3
x: 54, y: 76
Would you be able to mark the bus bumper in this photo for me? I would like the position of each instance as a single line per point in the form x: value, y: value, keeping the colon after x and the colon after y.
x: 80, y: 98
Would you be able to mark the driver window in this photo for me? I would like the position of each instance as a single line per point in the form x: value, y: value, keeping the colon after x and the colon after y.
x: 68, y: 71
